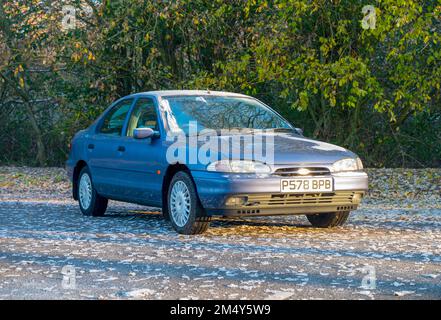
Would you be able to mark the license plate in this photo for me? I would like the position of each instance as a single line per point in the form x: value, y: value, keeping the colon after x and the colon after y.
x: 302, y: 185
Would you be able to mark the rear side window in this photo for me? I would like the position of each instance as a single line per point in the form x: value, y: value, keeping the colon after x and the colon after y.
x: 143, y: 116
x: 114, y: 120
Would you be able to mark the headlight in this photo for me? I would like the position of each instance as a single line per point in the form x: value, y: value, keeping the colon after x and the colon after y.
x: 239, y: 166
x: 349, y: 164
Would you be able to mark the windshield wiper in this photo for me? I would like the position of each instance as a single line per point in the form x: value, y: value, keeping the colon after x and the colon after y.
x: 205, y: 133
x: 283, y: 130
x: 239, y: 128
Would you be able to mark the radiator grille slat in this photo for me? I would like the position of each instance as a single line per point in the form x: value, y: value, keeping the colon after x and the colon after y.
x: 294, y: 171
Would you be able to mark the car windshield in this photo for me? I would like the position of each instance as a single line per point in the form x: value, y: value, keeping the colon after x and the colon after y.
x: 221, y: 113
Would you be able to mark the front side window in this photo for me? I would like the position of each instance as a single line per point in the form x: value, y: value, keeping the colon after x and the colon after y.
x: 221, y: 113
x: 143, y: 116
x: 114, y: 120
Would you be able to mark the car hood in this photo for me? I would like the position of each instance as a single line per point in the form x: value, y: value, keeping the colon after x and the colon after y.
x: 288, y: 149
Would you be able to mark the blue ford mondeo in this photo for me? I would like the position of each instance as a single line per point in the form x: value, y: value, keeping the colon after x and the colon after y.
x: 198, y: 154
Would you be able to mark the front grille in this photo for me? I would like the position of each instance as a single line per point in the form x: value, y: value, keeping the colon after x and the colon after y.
x: 340, y: 198
x: 294, y: 172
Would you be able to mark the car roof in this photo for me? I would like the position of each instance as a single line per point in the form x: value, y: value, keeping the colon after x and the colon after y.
x: 165, y: 93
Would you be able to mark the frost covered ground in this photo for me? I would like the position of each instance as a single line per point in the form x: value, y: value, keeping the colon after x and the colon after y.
x: 390, y: 248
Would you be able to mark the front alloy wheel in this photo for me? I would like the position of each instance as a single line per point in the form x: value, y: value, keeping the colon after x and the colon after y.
x: 85, y: 191
x: 180, y: 203
x: 91, y: 203
x: 186, y: 213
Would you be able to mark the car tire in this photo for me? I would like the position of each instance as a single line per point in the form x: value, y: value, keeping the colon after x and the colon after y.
x: 164, y: 211
x: 184, y: 209
x: 165, y: 214
x: 328, y: 220
x: 91, y: 203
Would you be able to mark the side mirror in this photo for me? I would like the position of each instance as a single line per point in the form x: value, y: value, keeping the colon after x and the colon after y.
x: 299, y: 131
x: 144, y: 133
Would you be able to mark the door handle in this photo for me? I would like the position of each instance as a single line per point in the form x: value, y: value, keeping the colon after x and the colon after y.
x: 121, y: 148
x: 91, y: 146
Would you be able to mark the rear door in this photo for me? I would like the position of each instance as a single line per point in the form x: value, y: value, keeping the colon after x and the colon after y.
x: 105, y: 152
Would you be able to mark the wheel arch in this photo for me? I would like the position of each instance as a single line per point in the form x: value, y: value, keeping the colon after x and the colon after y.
x: 170, y: 172
x: 76, y: 173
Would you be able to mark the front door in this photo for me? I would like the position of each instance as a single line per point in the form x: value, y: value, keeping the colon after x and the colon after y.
x: 143, y: 162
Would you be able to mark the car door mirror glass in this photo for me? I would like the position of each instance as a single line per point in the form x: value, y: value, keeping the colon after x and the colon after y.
x: 144, y: 133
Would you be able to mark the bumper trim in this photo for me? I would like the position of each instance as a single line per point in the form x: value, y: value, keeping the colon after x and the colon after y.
x: 278, y: 203
x: 278, y: 211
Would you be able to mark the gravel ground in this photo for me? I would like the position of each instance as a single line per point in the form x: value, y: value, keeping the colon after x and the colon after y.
x: 389, y: 249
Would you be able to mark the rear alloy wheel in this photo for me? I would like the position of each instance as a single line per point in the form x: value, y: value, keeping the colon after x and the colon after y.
x: 91, y: 203
x: 328, y: 220
x: 186, y: 213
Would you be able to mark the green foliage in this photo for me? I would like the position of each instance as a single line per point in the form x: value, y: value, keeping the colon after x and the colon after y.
x: 375, y: 91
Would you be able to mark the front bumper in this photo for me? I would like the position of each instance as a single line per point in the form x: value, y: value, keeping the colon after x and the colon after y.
x: 264, y: 197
